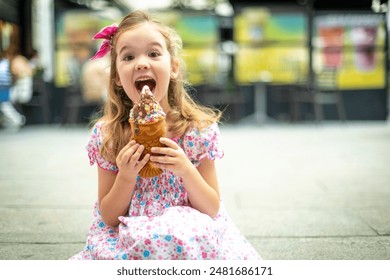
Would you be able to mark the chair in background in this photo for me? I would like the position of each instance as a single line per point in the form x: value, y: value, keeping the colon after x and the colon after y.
x: 75, y: 103
x: 322, y: 91
x: 230, y: 100
x: 40, y: 99
x: 288, y: 94
x: 326, y: 91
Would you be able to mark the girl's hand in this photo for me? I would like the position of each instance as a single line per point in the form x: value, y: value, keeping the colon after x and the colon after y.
x: 171, y: 157
x: 128, y: 161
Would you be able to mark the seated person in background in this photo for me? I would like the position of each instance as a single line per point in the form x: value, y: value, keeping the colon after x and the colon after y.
x: 95, y: 77
x: 22, y: 73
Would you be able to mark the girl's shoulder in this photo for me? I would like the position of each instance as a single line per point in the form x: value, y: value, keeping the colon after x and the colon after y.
x: 97, y: 128
x: 97, y: 133
x: 208, y: 131
x: 199, y: 143
x: 94, y: 147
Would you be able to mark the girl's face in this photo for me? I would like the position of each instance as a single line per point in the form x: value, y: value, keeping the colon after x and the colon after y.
x: 143, y: 59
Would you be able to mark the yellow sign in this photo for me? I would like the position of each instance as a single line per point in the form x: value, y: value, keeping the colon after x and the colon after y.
x: 277, y: 64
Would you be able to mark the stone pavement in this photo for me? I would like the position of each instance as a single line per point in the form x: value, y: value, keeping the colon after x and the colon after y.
x: 303, y: 191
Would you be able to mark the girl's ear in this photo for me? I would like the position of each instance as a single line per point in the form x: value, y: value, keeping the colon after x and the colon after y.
x: 118, y: 81
x: 174, y: 69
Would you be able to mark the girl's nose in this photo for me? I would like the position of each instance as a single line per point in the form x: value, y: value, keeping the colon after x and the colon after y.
x: 142, y: 65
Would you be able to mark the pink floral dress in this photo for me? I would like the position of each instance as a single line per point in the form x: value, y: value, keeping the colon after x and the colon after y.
x: 160, y: 223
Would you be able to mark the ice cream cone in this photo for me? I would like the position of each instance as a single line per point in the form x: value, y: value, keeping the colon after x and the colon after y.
x: 149, y: 135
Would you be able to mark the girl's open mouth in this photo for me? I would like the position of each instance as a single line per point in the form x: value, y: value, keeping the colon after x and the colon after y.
x: 140, y: 83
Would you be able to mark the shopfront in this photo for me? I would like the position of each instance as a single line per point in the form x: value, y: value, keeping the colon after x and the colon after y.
x: 282, y: 44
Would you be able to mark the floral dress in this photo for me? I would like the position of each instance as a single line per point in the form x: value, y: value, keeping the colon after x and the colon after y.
x: 160, y: 223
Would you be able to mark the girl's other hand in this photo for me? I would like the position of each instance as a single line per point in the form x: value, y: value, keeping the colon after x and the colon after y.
x: 171, y: 157
x: 128, y: 161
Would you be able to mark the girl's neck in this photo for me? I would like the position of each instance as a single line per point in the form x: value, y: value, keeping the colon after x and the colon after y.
x: 165, y: 106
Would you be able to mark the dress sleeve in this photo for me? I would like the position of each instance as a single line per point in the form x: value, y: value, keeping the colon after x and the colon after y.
x: 93, y: 148
x: 204, y: 143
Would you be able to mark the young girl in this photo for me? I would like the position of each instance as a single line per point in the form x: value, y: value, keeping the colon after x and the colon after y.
x: 177, y: 214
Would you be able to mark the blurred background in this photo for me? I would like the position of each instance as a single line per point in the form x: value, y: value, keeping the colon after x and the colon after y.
x: 281, y: 60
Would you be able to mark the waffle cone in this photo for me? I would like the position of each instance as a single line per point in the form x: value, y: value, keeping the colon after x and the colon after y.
x: 148, y: 134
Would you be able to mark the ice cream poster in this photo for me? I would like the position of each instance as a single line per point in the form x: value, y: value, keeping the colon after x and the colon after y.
x: 354, y: 44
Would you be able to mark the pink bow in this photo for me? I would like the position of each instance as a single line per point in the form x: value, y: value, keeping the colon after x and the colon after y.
x: 106, y: 33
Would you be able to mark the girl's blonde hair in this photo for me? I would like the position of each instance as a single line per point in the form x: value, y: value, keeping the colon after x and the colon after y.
x: 185, y: 112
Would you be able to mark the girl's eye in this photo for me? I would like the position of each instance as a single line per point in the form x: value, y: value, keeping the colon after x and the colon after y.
x: 128, y: 57
x: 154, y: 54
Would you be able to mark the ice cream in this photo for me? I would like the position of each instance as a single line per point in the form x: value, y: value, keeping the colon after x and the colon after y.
x: 147, y: 122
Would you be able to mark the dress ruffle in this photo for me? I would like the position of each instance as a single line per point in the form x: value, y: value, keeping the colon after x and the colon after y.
x: 179, y: 233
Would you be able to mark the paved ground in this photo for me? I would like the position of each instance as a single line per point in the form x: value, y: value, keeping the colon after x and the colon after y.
x: 299, y: 192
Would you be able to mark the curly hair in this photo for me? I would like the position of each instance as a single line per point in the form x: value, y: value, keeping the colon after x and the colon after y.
x: 185, y: 112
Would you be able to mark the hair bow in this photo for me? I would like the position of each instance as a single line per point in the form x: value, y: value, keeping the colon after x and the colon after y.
x: 106, y: 33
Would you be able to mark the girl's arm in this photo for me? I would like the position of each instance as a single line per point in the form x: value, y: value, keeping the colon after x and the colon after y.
x: 200, y: 183
x: 116, y: 190
x: 202, y: 188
